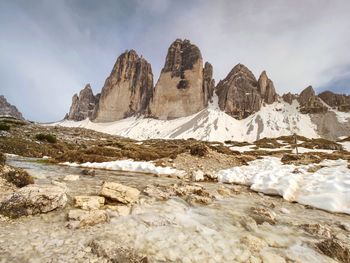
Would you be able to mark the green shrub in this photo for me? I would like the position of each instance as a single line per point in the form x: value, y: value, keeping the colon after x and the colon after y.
x: 46, y: 137
x: 4, y: 127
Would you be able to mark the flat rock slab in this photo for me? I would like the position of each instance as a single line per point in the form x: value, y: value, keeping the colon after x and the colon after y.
x: 89, y: 202
x: 119, y: 192
x: 80, y: 218
x: 33, y: 199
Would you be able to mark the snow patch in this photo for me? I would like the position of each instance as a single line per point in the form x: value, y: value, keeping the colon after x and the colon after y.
x: 328, y: 188
x: 211, y: 124
x: 130, y: 166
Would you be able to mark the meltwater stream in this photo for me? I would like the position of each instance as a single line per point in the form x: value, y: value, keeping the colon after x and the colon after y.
x: 168, y: 231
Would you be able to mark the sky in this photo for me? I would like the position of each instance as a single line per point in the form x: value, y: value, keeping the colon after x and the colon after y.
x: 49, y: 49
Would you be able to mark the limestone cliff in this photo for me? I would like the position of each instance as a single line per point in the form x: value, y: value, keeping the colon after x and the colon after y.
x: 184, y: 86
x: 128, y: 89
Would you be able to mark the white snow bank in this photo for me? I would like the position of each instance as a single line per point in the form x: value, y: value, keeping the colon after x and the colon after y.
x: 130, y: 166
x: 328, y: 188
x: 346, y: 146
x: 211, y: 124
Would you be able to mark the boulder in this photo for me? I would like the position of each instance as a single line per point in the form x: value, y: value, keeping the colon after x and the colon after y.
x: 121, y: 193
x: 8, y: 110
x: 16, y: 176
x: 83, y: 106
x: 262, y: 214
x: 184, y: 86
x: 116, y: 251
x: 80, y: 218
x: 335, y: 249
x: 121, y: 210
x: 89, y: 202
x: 197, y: 176
x: 33, y: 199
x: 128, y: 89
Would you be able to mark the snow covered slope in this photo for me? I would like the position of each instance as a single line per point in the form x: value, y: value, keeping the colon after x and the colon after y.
x: 211, y: 124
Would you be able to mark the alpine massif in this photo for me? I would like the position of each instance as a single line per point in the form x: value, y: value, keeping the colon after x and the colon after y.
x: 185, y: 103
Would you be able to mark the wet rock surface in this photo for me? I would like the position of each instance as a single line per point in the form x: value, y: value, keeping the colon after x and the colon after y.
x: 223, y: 230
x: 119, y: 192
x: 33, y: 199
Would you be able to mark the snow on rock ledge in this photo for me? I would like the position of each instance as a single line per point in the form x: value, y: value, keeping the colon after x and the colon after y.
x: 328, y: 188
x: 130, y: 166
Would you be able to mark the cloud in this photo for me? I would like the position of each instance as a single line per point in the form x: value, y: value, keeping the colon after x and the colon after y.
x: 50, y: 49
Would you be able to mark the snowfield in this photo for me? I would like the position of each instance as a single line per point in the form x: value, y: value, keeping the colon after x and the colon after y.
x: 327, y: 189
x: 211, y: 124
x: 130, y: 166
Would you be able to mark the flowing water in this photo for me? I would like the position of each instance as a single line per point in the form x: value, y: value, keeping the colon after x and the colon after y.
x: 168, y: 231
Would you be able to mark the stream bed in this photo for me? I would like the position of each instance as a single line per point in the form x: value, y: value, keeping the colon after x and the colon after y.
x: 227, y: 230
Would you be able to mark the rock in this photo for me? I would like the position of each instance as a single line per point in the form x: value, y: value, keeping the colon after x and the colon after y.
x: 116, y: 252
x: 199, y: 149
x: 339, y: 102
x: 8, y: 110
x: 80, y: 218
x: 208, y: 82
x: 89, y: 202
x: 122, y: 210
x: 248, y: 223
x: 310, y: 103
x: 184, y: 87
x: 269, y: 257
x: 119, y: 192
x: 224, y: 191
x: 33, y: 199
x: 317, y: 230
x: 88, y: 172
x: 266, y: 89
x: 335, y: 249
x: 253, y: 243
x: 197, y: 176
x: 191, y: 193
x: 128, y: 89
x: 261, y: 215
x: 16, y: 176
x: 83, y: 106
x: 241, y: 95
x: 71, y: 177
x: 289, y: 97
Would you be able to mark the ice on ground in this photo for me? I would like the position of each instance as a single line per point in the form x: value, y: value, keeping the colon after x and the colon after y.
x: 130, y: 166
x: 328, y: 188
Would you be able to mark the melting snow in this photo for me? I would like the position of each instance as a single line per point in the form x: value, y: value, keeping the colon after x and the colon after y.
x: 328, y: 188
x: 130, y: 166
x: 211, y: 124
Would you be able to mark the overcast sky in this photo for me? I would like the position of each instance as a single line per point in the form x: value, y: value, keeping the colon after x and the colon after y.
x: 49, y: 49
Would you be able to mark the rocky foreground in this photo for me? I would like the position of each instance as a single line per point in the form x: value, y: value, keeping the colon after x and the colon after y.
x: 58, y: 213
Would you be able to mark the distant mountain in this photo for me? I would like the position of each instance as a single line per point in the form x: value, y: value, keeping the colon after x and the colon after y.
x: 8, y: 110
x: 185, y: 103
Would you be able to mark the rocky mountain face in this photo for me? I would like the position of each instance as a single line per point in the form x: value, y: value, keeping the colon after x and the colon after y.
x: 8, y: 110
x: 184, y: 86
x: 310, y: 103
x: 128, y: 89
x: 240, y: 94
x: 83, y: 106
x: 289, y: 97
x: 339, y: 102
